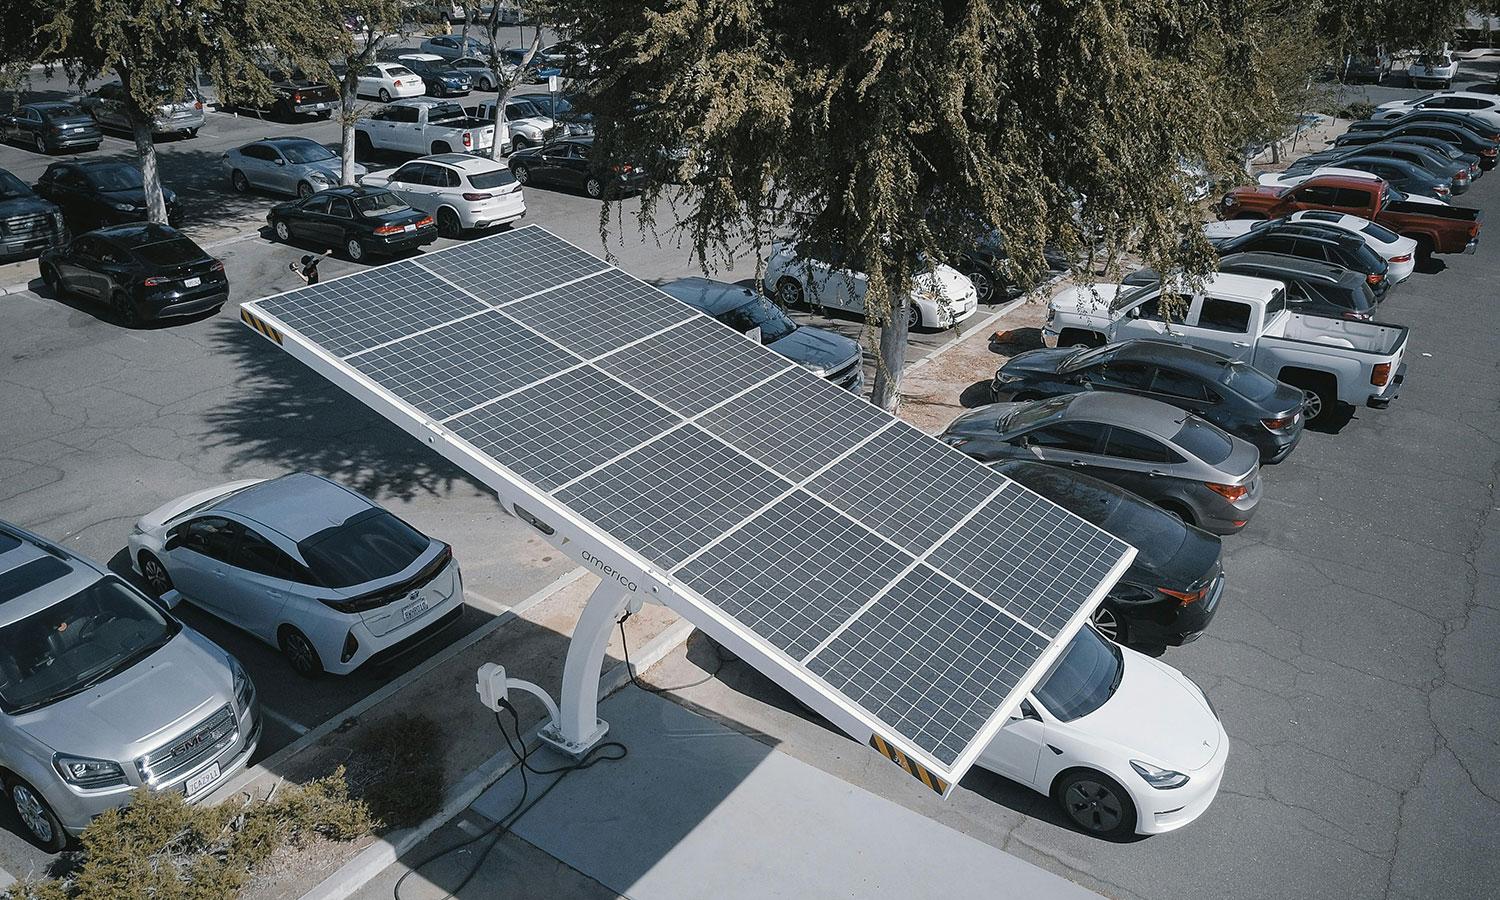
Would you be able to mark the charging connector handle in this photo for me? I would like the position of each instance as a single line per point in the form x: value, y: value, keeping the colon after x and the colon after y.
x: 494, y: 687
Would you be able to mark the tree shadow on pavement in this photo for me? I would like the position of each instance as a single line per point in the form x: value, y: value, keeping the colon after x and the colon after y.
x: 285, y: 414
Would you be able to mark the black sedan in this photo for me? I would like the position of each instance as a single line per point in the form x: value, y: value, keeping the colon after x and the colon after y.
x: 52, y: 127
x: 1233, y: 395
x: 1463, y: 138
x: 361, y: 222
x: 1172, y: 588
x: 987, y: 265
x: 30, y: 224
x: 438, y: 75
x: 1314, y: 241
x: 570, y: 164
x: 99, y: 192
x: 142, y: 271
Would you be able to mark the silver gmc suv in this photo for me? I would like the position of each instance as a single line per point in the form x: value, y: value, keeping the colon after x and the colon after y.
x: 103, y: 691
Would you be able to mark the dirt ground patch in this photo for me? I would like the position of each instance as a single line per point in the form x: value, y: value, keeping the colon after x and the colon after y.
x: 938, y: 389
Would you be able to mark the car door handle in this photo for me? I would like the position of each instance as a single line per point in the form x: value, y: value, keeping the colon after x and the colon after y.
x: 1241, y: 344
x: 1075, y: 462
x: 1156, y: 473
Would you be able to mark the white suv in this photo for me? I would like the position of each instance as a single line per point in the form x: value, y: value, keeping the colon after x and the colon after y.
x: 459, y: 190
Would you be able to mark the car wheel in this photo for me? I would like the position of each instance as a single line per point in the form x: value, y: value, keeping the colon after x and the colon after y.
x: 283, y: 233
x: 522, y: 173
x: 39, y: 144
x: 192, y: 132
x: 519, y: 143
x: 385, y: 96
x: 913, y: 316
x: 239, y: 182
x: 124, y: 309
x: 789, y: 292
x: 448, y: 224
x: 1312, y: 405
x: 155, y: 574
x: 305, y: 190
x: 354, y: 249
x: 594, y: 187
x: 300, y: 654
x: 486, y: 84
x: 41, y: 823
x: 1109, y: 623
x: 52, y: 281
x: 984, y: 288
x: 1097, y: 804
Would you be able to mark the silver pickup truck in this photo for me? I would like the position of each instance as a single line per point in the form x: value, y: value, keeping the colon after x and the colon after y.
x: 422, y: 126
x: 1244, y: 318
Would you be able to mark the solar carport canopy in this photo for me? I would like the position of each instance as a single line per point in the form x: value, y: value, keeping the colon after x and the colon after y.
x: 909, y: 593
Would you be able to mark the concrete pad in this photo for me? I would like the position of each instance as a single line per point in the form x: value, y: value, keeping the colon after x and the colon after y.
x: 698, y: 810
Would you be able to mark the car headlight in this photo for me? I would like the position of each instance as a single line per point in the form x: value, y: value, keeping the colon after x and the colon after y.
x: 324, y: 177
x: 81, y: 771
x: 1161, y: 779
x: 1004, y: 377
x: 244, y: 688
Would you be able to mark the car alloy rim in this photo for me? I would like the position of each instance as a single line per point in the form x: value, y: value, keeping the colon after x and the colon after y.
x: 240, y: 184
x: 30, y: 809
x: 282, y: 231
x: 1094, y: 806
x: 791, y: 293
x: 356, y: 250
x: 304, y: 190
x: 41, y: 145
x: 522, y: 173
x: 301, y: 652
x: 594, y: 188
x: 982, y: 286
x: 913, y: 317
x: 1312, y: 404
x: 156, y: 576
x: 1108, y: 625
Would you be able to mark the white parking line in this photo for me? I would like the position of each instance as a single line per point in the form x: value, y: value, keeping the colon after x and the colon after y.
x: 284, y: 721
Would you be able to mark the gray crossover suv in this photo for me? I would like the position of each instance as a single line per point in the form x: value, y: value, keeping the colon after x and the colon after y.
x: 103, y: 691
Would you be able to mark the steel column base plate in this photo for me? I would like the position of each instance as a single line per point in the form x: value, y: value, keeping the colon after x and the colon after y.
x: 552, y: 736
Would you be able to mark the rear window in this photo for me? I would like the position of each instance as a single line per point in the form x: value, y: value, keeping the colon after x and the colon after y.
x: 174, y: 252
x: 371, y: 545
x: 1156, y: 536
x: 24, y: 579
x: 1380, y: 233
x: 379, y: 204
x: 442, y: 112
x: 494, y: 179
x: 1203, y: 441
x: 62, y: 111
x: 1248, y: 381
x: 399, y: 70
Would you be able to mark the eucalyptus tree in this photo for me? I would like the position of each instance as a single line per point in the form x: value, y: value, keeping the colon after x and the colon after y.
x: 906, y: 130
x: 507, y: 74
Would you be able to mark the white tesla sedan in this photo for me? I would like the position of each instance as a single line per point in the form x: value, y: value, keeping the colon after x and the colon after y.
x: 305, y: 565
x: 1124, y: 744
x: 1399, y: 253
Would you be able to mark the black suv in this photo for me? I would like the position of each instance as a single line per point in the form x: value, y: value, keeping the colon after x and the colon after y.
x: 1312, y: 287
x: 1319, y: 243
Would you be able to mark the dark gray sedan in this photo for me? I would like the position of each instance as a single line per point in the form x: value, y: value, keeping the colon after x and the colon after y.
x: 1233, y: 395
x: 52, y: 127
x: 1173, y: 458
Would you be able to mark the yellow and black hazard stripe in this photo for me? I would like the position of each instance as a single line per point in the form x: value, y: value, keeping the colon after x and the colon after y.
x: 260, y: 326
x: 912, y: 767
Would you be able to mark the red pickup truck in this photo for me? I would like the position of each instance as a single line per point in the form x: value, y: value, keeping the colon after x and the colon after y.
x: 1437, y: 228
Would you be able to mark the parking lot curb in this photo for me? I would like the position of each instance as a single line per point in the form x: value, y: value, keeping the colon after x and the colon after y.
x: 984, y: 323
x: 374, y: 859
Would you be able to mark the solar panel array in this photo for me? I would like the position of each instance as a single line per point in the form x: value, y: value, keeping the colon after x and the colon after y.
x: 864, y: 557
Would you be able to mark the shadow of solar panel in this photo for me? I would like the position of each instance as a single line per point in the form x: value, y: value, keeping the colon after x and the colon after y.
x: 358, y: 311
x: 796, y: 423
x: 512, y: 264
x: 695, y: 365
x: 673, y: 496
x: 601, y: 313
x: 457, y: 366
x: 907, y: 486
x: 794, y: 573
x: 931, y: 661
x: 557, y: 430
x: 1029, y: 556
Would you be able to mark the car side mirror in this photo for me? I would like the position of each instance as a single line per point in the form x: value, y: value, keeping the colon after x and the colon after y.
x: 173, y: 541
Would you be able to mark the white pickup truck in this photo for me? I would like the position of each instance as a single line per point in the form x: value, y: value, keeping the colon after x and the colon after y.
x: 423, y: 126
x: 1244, y: 318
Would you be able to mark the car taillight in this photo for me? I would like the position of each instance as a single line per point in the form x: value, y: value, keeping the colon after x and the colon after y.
x: 216, y: 266
x: 1441, y: 189
x: 1403, y: 258
x: 474, y: 198
x: 198, y: 104
x: 424, y: 221
x: 384, y: 230
x: 397, y: 82
x: 1490, y: 151
x: 1228, y: 491
x: 1380, y: 374
x: 1279, y: 422
x: 1186, y: 597
x: 625, y: 169
x: 1374, y: 278
x: 468, y: 139
x: 296, y: 96
x: 155, y: 280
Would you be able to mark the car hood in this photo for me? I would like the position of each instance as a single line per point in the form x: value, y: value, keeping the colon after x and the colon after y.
x: 816, y: 348
x: 1156, y: 713
x: 947, y: 281
x: 334, y: 169
x: 135, y: 196
x: 18, y: 206
x: 165, y: 513
x: 141, y: 708
x: 979, y: 421
x: 1086, y: 300
x: 1044, y: 361
x: 540, y: 123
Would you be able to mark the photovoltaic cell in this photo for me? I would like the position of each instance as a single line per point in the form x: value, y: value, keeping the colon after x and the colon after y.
x: 695, y: 365
x: 1029, y: 556
x: 930, y: 660
x: 600, y: 313
x: 562, y: 428
x: 673, y: 496
x: 512, y: 264
x: 795, y: 572
x: 907, y: 486
x: 358, y: 311
x: 457, y: 366
x: 796, y: 423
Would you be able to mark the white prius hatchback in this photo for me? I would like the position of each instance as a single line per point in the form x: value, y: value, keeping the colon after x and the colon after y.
x: 1124, y: 744
x: 304, y: 564
x: 461, y: 191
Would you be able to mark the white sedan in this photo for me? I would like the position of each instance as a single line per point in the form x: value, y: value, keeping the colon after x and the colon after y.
x: 1124, y: 744
x: 806, y: 273
x: 460, y: 190
x: 1438, y: 69
x: 1483, y: 106
x: 389, y: 81
x: 1400, y: 253
x: 305, y: 565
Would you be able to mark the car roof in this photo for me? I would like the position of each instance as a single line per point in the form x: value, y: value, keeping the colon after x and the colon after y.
x: 1295, y: 266
x: 51, y: 104
x: 709, y: 296
x: 1342, y: 177
x: 421, y: 57
x: 1312, y: 230
x: 1243, y: 287
x: 68, y: 573
x: 468, y: 162
x: 134, y: 234
x: 285, y: 139
x: 353, y: 190
x: 1136, y: 413
x: 297, y: 506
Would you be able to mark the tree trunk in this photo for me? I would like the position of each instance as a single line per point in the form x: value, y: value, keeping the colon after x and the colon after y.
x: 145, y: 148
x: 347, y: 116
x: 892, y: 357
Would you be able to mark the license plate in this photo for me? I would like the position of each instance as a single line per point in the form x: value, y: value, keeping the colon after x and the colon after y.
x: 203, y: 779
x: 411, y: 227
x: 413, y: 610
x: 192, y: 282
x: 320, y: 106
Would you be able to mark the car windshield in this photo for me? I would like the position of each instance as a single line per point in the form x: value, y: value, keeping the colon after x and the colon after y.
x: 1126, y: 298
x: 1083, y: 678
x: 12, y: 187
x: 763, y: 314
x: 302, y: 152
x: 115, y: 177
x: 379, y: 204
x: 373, y: 544
x: 1028, y: 414
x: 172, y: 252
x: 523, y: 109
x: 61, y: 111
x: 1203, y: 440
x: 70, y: 646
x: 492, y: 179
x: 1248, y: 381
